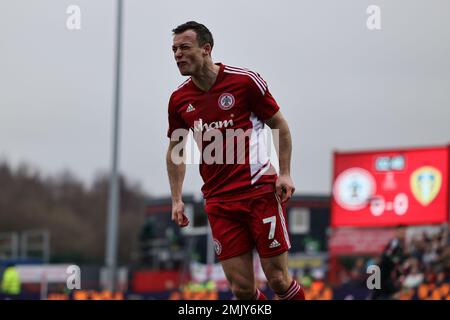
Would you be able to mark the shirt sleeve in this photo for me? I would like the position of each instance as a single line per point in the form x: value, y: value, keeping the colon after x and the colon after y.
x: 262, y: 104
x: 175, y: 120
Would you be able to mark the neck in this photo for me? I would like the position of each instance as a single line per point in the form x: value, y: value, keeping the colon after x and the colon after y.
x: 207, y: 75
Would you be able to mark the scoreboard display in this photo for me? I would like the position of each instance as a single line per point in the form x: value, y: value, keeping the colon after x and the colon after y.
x: 390, y: 187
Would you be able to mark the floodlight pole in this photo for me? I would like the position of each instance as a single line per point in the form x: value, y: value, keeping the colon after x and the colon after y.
x: 114, y: 201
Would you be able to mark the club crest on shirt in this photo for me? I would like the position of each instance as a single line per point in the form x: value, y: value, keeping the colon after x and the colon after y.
x: 217, y: 247
x: 226, y: 101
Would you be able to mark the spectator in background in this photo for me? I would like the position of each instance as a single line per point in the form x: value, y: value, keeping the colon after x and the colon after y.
x: 432, y: 251
x: 417, y: 247
x: 358, y: 273
x: 441, y: 278
x: 445, y: 260
x: 430, y: 275
x: 306, y: 278
x: 390, y: 266
x: 11, y: 284
x: 415, y: 276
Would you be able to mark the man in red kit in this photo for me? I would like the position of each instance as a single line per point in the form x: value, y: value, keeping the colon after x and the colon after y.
x: 226, y: 108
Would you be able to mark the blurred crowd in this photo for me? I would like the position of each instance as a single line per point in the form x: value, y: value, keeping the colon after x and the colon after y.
x: 426, y: 259
x: 407, y: 264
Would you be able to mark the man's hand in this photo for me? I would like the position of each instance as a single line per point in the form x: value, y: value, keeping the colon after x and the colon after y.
x: 284, y: 187
x: 178, y: 215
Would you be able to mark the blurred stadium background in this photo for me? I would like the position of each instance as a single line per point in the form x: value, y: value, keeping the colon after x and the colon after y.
x: 335, y: 237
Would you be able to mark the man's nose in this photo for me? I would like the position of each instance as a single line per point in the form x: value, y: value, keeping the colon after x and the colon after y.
x: 178, y: 53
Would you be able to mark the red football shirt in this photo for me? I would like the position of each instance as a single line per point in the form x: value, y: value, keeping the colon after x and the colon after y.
x: 239, y: 99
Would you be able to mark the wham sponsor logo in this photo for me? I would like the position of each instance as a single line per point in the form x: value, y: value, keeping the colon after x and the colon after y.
x: 200, y: 126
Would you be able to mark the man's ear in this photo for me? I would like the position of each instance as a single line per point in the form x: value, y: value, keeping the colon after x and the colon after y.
x: 207, y: 49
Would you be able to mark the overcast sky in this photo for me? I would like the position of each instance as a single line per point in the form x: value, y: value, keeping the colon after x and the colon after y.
x: 340, y: 85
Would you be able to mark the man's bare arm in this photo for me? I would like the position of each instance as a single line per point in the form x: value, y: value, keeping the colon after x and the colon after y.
x: 283, y: 145
x: 176, y: 169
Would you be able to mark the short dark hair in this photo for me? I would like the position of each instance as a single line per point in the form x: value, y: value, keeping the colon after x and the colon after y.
x: 204, y: 36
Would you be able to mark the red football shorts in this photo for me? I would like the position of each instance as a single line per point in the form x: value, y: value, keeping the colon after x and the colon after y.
x: 240, y: 226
